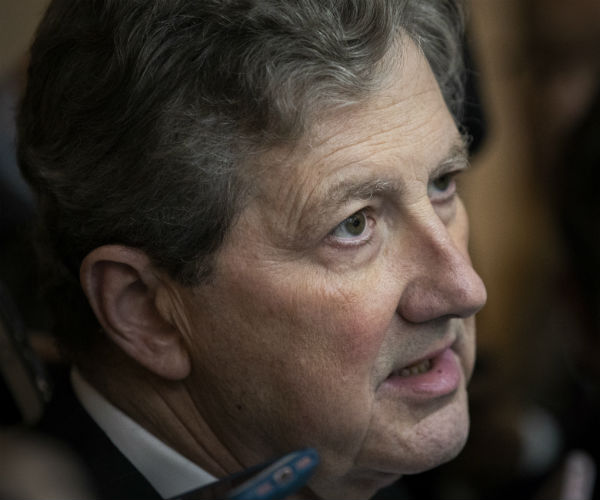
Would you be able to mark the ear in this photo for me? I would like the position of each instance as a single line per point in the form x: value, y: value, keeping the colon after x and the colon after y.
x: 122, y: 285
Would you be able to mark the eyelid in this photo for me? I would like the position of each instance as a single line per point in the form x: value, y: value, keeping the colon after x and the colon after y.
x: 449, y: 194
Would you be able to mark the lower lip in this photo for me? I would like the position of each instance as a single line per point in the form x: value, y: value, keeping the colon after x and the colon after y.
x: 441, y: 379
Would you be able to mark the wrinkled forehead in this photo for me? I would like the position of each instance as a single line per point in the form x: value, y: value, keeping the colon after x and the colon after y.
x: 395, y: 118
x: 400, y: 75
x: 394, y: 142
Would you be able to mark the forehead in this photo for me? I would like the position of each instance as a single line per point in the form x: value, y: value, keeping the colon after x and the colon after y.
x: 401, y: 133
x: 398, y: 119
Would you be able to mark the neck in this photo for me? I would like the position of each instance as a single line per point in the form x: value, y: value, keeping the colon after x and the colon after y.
x: 168, y: 410
x: 164, y: 408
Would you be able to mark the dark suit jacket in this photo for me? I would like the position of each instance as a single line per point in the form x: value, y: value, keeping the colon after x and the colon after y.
x: 110, y: 472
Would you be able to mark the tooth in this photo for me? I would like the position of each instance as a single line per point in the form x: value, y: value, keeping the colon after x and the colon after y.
x: 416, y: 369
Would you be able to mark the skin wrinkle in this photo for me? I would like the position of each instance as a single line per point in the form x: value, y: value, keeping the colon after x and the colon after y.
x: 303, y: 340
x: 165, y: 402
x: 194, y: 439
x: 169, y: 302
x: 369, y: 139
x: 289, y: 341
x: 177, y: 315
x: 339, y: 194
x: 322, y: 160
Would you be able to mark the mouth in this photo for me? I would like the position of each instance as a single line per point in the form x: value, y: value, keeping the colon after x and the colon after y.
x: 415, y: 369
x: 435, y: 375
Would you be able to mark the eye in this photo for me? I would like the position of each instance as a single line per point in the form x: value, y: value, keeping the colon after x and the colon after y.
x: 354, y: 230
x: 443, y: 187
x: 443, y: 182
x: 353, y: 226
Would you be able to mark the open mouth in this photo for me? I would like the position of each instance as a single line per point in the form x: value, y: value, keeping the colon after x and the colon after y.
x: 416, y: 369
x: 434, y: 376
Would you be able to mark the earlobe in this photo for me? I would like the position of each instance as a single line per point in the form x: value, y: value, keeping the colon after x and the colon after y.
x: 121, y: 286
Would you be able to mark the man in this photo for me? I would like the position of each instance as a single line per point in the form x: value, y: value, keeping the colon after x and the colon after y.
x: 258, y: 202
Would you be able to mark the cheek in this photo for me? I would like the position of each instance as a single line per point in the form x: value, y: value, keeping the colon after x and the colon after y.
x: 362, y: 319
x: 346, y: 319
x: 313, y: 346
x: 323, y: 305
x: 459, y: 229
x: 329, y: 330
x: 466, y: 347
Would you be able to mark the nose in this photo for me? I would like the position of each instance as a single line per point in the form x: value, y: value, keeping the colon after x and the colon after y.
x: 442, y: 281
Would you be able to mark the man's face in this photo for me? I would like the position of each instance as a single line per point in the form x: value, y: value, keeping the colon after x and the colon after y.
x: 340, y: 314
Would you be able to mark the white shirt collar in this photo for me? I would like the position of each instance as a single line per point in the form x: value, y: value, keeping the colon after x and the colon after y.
x: 169, y: 472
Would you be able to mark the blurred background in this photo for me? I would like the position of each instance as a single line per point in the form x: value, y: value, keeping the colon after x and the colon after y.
x: 534, y: 199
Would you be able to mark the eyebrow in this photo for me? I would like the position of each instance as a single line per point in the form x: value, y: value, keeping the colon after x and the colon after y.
x: 349, y: 189
x: 458, y: 156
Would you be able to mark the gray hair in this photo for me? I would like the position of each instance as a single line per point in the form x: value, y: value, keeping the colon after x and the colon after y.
x: 141, y: 118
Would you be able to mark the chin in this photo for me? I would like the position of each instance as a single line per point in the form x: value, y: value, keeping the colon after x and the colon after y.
x: 433, y: 450
x: 433, y: 438
x: 441, y: 452
x: 441, y: 437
